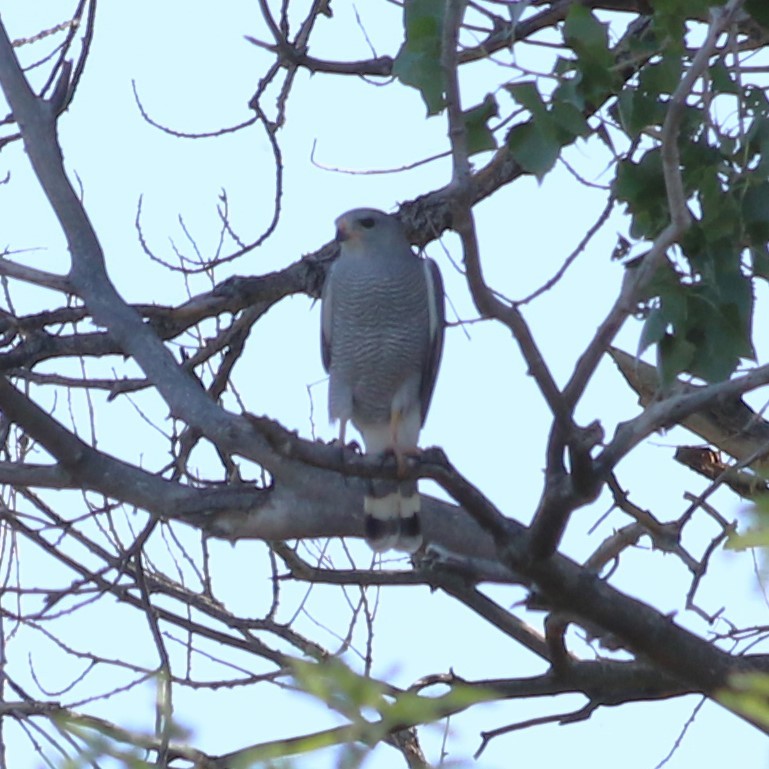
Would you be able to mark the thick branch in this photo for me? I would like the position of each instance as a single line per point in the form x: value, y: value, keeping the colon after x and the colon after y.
x: 568, y: 587
x: 726, y: 422
x: 674, y: 410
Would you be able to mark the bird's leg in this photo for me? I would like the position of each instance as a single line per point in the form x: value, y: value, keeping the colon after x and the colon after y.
x: 340, y: 441
x: 395, y: 420
x: 401, y: 453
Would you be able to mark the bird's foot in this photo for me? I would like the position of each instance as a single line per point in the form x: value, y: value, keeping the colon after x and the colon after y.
x: 401, y: 458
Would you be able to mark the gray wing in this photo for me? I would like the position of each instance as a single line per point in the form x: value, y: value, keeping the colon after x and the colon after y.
x: 437, y: 324
x: 326, y: 310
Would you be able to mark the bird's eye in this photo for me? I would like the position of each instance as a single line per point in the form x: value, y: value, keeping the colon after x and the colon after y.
x: 367, y: 222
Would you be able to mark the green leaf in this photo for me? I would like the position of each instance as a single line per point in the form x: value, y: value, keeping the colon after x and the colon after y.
x: 734, y: 290
x: 415, y: 708
x: 755, y: 213
x: 418, y: 63
x: 568, y: 92
x: 637, y: 110
x: 760, y: 260
x: 641, y: 186
x: 702, y: 318
x: 711, y: 324
x: 674, y: 355
x: 536, y: 150
x: 758, y: 537
x: 349, y: 692
x: 479, y: 136
x: 527, y: 95
x: 748, y: 694
x: 720, y: 217
x: 668, y: 22
x: 585, y: 33
x: 721, y: 78
x: 569, y: 119
x: 337, y: 685
x: 759, y: 10
x: 653, y: 330
x: 589, y: 39
x: 662, y: 76
x: 755, y: 203
x: 537, y: 144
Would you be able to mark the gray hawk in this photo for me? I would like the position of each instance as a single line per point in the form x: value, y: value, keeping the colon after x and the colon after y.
x: 382, y: 324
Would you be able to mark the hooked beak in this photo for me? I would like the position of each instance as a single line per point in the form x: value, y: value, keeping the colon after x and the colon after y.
x: 342, y: 232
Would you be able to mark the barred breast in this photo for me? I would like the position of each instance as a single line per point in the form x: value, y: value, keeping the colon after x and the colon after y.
x: 380, y: 332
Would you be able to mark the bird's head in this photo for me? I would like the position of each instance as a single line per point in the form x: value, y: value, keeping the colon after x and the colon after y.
x: 363, y: 228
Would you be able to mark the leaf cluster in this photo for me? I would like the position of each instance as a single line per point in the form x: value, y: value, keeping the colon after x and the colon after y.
x: 698, y: 310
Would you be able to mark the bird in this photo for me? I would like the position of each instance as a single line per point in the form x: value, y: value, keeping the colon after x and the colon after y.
x: 382, y: 329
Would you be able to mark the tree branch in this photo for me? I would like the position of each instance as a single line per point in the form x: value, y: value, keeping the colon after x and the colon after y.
x: 553, y: 513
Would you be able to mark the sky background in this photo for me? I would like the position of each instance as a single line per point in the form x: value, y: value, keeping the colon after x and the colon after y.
x: 195, y: 72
